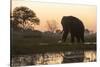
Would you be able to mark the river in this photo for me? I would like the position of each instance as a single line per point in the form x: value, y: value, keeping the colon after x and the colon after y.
x: 54, y: 58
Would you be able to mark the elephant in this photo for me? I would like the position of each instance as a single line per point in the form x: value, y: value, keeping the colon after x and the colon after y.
x: 74, y: 26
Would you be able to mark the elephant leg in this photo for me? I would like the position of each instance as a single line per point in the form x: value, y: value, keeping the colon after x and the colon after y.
x: 78, y: 38
x: 82, y: 38
x: 72, y: 38
x: 64, y: 36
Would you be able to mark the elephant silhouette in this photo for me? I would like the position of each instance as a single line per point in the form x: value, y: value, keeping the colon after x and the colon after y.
x: 74, y: 26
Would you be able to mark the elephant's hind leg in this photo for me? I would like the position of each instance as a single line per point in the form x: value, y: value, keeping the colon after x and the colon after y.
x: 82, y: 38
x: 78, y: 38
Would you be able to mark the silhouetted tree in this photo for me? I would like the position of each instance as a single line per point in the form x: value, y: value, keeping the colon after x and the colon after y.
x: 58, y: 31
x: 23, y: 15
x: 87, y: 31
x: 52, y: 25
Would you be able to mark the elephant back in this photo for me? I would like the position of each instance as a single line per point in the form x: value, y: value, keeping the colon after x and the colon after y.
x: 73, y: 22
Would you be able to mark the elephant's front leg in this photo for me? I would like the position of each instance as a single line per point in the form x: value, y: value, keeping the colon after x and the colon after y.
x: 72, y: 38
x: 64, y: 36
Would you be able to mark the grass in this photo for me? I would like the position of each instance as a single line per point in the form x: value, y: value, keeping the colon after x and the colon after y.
x: 22, y: 43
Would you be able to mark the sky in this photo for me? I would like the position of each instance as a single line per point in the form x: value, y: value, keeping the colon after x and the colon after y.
x: 55, y: 11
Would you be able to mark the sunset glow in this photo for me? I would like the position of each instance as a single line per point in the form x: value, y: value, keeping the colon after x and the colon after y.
x: 52, y: 11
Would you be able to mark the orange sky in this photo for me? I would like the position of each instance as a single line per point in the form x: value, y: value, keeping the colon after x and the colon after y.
x: 52, y: 11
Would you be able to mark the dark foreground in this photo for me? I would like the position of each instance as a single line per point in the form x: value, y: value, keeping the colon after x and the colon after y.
x: 53, y: 47
x: 44, y: 53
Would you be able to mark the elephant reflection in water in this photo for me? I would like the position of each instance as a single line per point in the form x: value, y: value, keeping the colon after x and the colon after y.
x: 74, y: 26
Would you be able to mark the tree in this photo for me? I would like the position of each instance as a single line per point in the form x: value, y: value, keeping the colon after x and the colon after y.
x: 87, y: 31
x: 23, y: 15
x: 52, y: 25
x: 58, y: 31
